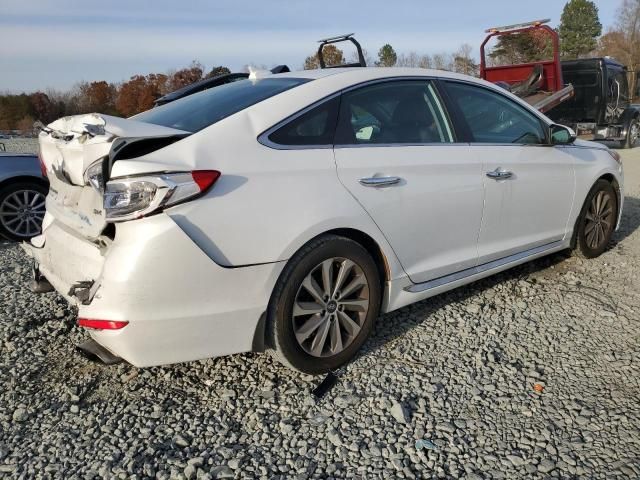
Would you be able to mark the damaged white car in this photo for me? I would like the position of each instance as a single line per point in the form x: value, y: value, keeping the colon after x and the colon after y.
x: 287, y: 212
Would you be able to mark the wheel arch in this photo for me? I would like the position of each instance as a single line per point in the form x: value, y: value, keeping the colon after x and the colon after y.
x: 260, y: 338
x: 23, y: 178
x: 370, y: 245
x: 608, y: 177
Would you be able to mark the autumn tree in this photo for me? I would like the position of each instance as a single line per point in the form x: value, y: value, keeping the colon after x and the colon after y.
x: 185, y: 76
x: 25, y: 125
x: 387, y: 56
x: 332, y: 56
x: 97, y: 97
x: 139, y: 93
x: 13, y: 108
x: 217, y: 71
x: 43, y: 108
x: 623, y: 40
x: 579, y: 29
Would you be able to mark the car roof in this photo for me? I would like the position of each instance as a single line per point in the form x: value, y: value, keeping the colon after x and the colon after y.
x: 328, y: 81
x: 372, y: 73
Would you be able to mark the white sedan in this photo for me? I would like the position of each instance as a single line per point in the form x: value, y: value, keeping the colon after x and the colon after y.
x: 286, y: 212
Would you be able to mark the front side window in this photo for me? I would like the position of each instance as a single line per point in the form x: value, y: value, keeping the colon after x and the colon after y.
x: 493, y: 118
x: 396, y: 112
x: 198, y: 111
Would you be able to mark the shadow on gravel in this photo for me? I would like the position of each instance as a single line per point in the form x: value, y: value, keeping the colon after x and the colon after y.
x: 418, y: 313
x: 4, y: 244
x: 630, y: 218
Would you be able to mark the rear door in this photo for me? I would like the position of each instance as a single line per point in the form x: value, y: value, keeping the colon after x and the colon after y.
x: 529, y: 184
x: 396, y: 152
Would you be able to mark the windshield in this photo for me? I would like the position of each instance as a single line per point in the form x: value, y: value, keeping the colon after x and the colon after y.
x: 202, y: 109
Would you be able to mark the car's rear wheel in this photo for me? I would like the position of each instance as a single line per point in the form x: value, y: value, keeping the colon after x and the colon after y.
x: 22, y: 208
x: 597, y: 220
x: 324, y: 305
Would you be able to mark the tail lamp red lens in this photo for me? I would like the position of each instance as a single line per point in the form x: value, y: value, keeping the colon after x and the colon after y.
x: 43, y: 167
x: 205, y: 178
x: 101, y: 324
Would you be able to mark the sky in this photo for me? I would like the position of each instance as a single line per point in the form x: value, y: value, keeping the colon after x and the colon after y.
x: 56, y: 43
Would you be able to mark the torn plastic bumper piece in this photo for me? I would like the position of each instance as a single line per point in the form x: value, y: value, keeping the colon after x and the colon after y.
x: 82, y: 291
x: 40, y: 284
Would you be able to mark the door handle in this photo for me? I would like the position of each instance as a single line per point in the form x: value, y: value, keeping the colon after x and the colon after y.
x: 499, y: 174
x: 379, y: 181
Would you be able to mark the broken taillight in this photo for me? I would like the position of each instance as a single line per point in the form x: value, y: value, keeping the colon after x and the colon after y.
x: 43, y: 167
x: 101, y: 324
x: 135, y: 197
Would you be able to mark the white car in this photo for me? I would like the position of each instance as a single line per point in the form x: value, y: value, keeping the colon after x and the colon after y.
x: 286, y: 212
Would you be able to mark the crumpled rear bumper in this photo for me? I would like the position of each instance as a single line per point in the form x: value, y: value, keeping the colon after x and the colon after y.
x: 179, y: 303
x: 65, y: 258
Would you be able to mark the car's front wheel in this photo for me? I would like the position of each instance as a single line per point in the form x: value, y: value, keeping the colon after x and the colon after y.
x: 22, y: 208
x: 324, y: 305
x: 597, y: 220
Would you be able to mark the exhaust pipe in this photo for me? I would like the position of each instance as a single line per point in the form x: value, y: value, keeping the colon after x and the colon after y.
x: 96, y: 352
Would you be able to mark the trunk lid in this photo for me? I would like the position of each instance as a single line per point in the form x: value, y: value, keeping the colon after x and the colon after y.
x: 69, y: 146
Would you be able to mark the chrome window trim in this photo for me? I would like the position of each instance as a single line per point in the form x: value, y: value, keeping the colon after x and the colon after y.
x: 518, y: 101
x: 400, y: 145
x: 263, y: 138
x: 500, y: 91
x: 441, y: 104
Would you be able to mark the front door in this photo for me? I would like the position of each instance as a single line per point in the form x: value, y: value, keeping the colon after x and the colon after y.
x: 396, y: 152
x: 529, y: 185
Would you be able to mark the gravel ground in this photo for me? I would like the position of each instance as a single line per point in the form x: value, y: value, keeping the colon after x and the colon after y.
x: 457, y: 372
x: 20, y: 145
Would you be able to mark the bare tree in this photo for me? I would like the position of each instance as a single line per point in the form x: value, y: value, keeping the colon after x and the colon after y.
x: 442, y: 61
x: 425, y: 61
x: 622, y: 41
x: 463, y: 62
x: 367, y: 58
x: 411, y: 60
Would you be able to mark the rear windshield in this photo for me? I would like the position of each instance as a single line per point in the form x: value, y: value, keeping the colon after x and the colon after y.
x: 202, y: 109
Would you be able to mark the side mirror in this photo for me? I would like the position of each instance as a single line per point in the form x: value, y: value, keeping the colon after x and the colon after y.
x: 561, y: 135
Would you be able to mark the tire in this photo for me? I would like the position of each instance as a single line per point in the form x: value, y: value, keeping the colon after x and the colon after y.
x: 307, y: 339
x: 15, y: 225
x: 593, y: 236
x: 633, y: 135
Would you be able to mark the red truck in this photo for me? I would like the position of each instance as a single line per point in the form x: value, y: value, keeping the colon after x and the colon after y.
x: 538, y: 83
x: 590, y: 95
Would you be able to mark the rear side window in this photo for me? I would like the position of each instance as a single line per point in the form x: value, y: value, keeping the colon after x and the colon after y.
x: 198, y: 111
x: 402, y: 112
x: 493, y: 118
x: 315, y: 127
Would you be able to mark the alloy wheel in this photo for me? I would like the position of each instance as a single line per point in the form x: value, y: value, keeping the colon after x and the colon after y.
x: 599, y: 219
x: 330, y: 307
x: 21, y: 213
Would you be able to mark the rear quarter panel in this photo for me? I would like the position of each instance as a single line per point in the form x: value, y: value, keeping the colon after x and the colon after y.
x: 267, y: 203
x: 12, y: 166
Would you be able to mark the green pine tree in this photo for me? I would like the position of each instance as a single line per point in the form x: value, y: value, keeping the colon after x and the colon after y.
x: 387, y: 56
x: 579, y: 29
